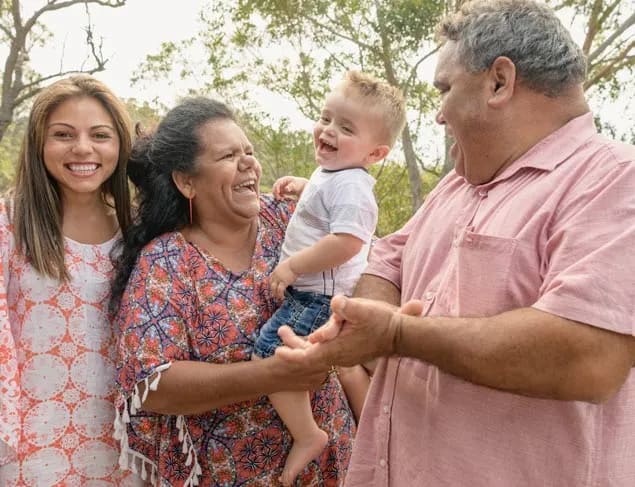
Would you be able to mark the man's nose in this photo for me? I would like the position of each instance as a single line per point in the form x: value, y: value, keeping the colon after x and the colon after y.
x: 440, y: 119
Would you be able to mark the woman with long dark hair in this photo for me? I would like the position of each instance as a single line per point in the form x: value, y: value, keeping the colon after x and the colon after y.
x: 192, y: 292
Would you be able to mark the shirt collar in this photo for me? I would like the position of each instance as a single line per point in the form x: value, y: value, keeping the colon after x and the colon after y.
x: 554, y: 149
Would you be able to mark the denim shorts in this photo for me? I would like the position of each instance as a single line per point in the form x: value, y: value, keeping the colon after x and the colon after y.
x: 303, y: 311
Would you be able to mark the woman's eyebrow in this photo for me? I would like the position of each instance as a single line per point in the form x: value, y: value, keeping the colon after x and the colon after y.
x: 65, y: 124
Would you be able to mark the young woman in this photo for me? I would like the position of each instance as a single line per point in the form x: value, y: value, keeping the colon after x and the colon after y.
x: 70, y: 203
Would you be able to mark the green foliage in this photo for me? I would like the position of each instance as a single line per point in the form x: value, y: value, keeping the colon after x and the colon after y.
x: 144, y: 114
x: 10, y: 152
x: 297, y: 48
x: 280, y: 150
x: 393, y: 197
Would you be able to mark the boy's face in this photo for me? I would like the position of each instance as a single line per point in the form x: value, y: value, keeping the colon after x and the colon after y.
x: 346, y: 134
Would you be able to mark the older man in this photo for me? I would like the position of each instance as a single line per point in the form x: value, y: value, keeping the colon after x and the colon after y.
x: 517, y: 369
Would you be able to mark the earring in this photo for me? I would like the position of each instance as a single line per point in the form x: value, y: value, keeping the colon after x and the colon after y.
x: 191, y: 212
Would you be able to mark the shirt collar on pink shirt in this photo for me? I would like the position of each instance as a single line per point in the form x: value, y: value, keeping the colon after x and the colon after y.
x: 553, y: 150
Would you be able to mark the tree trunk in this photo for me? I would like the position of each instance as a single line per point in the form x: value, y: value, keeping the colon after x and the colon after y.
x: 448, y: 163
x: 4, y: 124
x: 413, y: 169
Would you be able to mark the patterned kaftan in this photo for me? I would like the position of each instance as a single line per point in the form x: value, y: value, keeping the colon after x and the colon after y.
x: 183, y: 304
x: 56, y: 371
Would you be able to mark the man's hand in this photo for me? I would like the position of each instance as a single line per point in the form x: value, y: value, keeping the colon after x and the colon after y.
x: 288, y: 186
x: 332, y: 327
x: 361, y: 330
x: 282, y: 277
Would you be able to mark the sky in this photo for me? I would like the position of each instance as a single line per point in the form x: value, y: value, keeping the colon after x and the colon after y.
x: 129, y: 34
x: 137, y: 29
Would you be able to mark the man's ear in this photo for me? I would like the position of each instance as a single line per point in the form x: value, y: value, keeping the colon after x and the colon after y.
x: 378, y: 153
x: 502, y: 79
x: 184, y: 183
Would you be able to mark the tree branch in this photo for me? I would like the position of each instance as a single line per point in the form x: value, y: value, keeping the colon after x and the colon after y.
x: 593, y: 26
x: 6, y: 30
x: 413, y: 71
x: 609, y: 40
x: 608, y: 11
x: 611, y: 68
x: 55, y: 5
x: 358, y: 42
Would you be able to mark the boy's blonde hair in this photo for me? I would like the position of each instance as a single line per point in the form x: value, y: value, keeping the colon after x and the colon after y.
x: 381, y: 96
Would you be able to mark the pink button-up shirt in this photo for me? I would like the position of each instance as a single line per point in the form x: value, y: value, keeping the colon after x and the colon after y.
x: 554, y: 231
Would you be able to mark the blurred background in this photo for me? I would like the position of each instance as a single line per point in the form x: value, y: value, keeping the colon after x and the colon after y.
x: 273, y: 60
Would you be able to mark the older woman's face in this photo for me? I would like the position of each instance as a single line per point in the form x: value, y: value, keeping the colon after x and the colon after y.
x: 228, y: 175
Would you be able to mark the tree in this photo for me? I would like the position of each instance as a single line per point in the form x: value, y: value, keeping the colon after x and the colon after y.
x: 10, y: 151
x: 20, y: 35
x: 389, y: 38
x: 296, y: 48
x: 609, y: 41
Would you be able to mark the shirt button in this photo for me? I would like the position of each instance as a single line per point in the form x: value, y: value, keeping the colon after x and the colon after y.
x: 386, y: 409
x: 482, y: 193
x: 382, y: 463
x: 429, y: 296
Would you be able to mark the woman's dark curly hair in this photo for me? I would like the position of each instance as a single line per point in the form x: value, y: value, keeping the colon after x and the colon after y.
x: 161, y: 207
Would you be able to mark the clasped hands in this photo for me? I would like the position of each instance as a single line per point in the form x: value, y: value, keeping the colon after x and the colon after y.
x: 358, y: 331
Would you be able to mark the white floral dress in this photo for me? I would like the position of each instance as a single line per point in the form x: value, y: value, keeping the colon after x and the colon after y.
x: 57, y: 371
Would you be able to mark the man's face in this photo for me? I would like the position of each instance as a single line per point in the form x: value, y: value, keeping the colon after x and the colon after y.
x: 464, y: 112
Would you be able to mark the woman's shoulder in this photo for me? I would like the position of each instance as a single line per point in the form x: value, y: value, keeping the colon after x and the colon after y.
x: 276, y: 212
x: 6, y: 210
x: 6, y: 221
x: 171, y: 243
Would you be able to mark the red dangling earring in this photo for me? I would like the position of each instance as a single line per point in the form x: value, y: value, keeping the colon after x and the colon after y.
x: 190, y: 200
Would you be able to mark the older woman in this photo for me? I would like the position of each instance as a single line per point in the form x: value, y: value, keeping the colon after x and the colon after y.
x: 192, y: 292
x: 57, y: 346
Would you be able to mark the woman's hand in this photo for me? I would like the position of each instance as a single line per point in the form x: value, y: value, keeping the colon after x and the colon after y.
x: 297, y: 375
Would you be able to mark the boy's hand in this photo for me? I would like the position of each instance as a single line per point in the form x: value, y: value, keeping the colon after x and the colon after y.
x: 328, y: 330
x: 282, y: 277
x: 289, y: 186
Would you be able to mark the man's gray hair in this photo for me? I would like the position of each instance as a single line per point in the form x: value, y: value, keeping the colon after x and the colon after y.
x: 547, y: 59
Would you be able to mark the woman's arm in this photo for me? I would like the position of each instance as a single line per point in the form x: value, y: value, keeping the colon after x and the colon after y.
x: 190, y: 387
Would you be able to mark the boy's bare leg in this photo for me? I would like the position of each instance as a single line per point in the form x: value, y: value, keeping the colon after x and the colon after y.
x: 294, y: 408
x: 309, y: 440
x: 355, y: 381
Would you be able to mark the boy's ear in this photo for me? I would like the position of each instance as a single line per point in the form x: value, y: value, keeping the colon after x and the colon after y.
x: 380, y: 152
x: 184, y: 184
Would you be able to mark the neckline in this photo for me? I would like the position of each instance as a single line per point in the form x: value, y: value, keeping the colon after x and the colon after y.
x: 105, y: 243
x: 343, y: 169
x: 208, y: 256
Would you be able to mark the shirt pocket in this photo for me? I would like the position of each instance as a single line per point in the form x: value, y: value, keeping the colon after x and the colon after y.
x: 479, y: 274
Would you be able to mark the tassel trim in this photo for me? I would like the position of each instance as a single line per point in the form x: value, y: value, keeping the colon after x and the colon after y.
x: 135, y: 461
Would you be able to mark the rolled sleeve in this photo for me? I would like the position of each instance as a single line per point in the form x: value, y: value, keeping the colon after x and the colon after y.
x: 591, y: 254
x: 153, y: 317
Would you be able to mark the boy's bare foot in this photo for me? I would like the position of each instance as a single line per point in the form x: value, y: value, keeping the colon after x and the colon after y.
x: 301, y: 453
